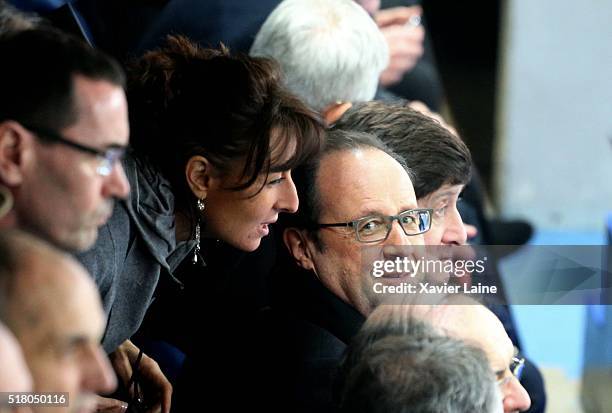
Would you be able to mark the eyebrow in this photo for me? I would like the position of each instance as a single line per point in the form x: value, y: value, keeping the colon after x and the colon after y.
x: 450, y: 192
x: 500, y: 373
x: 367, y: 212
x: 76, y: 341
x: 115, y: 146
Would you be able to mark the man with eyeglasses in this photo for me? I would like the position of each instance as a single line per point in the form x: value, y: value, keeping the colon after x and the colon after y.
x: 467, y: 320
x: 63, y: 129
x: 398, y: 363
x: 356, y: 196
x: 441, y: 163
x: 63, y: 132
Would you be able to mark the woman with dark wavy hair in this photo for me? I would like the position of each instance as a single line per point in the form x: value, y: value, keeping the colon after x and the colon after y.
x: 214, y: 139
x: 224, y: 133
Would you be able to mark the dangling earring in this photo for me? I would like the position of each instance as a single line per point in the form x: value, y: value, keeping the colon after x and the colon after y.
x: 200, y: 206
x: 6, y: 201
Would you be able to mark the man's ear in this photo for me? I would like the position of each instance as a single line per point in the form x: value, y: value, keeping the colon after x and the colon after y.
x: 333, y: 112
x: 200, y: 176
x: 12, y: 146
x: 298, y: 245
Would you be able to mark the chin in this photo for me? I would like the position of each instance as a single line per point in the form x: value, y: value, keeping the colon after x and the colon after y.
x: 251, y: 245
x: 82, y: 241
x: 247, y: 244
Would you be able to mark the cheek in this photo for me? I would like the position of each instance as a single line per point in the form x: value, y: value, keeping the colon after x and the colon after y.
x: 344, y: 258
x: 253, y: 212
x: 77, y: 193
x: 87, y: 192
x: 52, y: 374
x: 235, y: 222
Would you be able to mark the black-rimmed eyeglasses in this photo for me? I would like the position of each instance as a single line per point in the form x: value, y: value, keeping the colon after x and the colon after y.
x: 108, y: 157
x: 376, y: 228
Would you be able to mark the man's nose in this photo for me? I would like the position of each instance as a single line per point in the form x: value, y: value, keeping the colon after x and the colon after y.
x: 516, y: 398
x: 98, y: 376
x: 454, y: 232
x: 117, y: 185
x: 398, y: 244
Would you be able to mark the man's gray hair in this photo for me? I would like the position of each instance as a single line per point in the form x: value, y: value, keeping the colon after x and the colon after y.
x: 395, y: 368
x: 329, y: 50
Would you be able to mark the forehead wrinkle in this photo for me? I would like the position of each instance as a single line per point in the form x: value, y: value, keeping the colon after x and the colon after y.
x: 369, y: 180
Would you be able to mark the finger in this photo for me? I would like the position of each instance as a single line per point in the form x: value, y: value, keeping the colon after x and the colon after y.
x: 416, y: 32
x: 164, y: 393
x: 399, y: 35
x: 403, y: 33
x: 401, y: 45
x: 396, y: 15
x: 108, y: 405
x: 156, y: 379
x: 389, y: 78
x: 406, y: 51
x: 121, y: 365
x: 166, y: 398
x: 402, y: 65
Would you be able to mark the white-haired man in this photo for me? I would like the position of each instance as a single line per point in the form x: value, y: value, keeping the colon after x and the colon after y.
x: 331, y: 52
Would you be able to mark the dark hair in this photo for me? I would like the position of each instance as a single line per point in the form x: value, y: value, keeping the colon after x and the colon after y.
x: 436, y: 156
x: 37, y: 76
x: 305, y: 177
x: 186, y: 100
x: 414, y: 369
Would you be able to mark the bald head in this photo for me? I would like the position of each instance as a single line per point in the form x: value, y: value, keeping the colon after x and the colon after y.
x: 38, y: 279
x: 463, y: 318
x: 52, y: 306
x: 474, y: 323
x: 466, y: 319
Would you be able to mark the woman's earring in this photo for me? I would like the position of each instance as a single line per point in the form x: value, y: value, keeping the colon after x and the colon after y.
x: 200, y: 206
x: 6, y: 201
